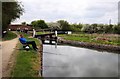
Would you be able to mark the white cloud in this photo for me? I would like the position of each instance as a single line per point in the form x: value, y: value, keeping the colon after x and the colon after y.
x: 85, y: 11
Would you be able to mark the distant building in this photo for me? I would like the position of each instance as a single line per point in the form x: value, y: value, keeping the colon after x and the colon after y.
x: 19, y: 27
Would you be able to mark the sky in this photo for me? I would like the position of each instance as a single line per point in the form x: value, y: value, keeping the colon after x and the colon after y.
x: 73, y: 11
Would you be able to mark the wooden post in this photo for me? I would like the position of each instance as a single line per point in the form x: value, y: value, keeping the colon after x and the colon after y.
x: 34, y: 33
x: 55, y: 39
x: 56, y: 33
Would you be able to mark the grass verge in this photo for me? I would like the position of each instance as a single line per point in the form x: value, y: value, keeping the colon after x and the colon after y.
x: 9, y: 36
x: 27, y: 63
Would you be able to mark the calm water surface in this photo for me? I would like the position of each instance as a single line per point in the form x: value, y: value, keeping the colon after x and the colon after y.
x: 69, y: 61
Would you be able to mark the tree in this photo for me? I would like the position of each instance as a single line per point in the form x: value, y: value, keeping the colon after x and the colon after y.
x: 24, y: 23
x: 108, y: 28
x: 86, y: 28
x: 94, y: 28
x: 42, y: 24
x: 33, y: 23
x: 10, y: 11
x: 100, y: 28
x: 116, y: 29
x: 39, y: 23
x: 53, y: 26
x: 64, y: 25
x: 76, y: 27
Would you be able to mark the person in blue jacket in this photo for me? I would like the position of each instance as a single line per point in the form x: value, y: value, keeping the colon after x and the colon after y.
x: 25, y: 41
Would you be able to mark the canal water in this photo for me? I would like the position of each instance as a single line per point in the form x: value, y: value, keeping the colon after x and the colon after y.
x: 69, y: 61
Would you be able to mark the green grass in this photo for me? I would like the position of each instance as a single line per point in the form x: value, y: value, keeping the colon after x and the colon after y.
x: 9, y: 36
x: 27, y: 62
x: 91, y: 38
x: 23, y: 66
x: 38, y: 33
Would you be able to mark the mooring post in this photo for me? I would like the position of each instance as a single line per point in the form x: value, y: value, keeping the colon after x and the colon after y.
x: 55, y: 39
x: 34, y: 33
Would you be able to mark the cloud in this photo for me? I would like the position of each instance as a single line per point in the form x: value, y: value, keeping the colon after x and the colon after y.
x: 74, y: 11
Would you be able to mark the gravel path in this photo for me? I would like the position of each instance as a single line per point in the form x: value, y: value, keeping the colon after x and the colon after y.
x: 7, y: 50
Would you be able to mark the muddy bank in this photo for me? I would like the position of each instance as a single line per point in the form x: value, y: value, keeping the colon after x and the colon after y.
x: 100, y: 47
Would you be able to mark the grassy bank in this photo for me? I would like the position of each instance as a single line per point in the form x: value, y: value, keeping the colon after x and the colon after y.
x: 27, y: 62
x: 107, y: 39
x: 9, y: 36
x: 38, y: 33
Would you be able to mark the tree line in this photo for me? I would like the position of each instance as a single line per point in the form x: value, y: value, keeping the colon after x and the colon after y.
x: 85, y: 28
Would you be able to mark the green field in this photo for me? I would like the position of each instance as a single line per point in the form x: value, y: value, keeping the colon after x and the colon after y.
x: 38, y: 33
x: 108, y: 39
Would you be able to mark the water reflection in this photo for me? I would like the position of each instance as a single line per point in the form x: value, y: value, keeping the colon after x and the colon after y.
x: 68, y: 61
